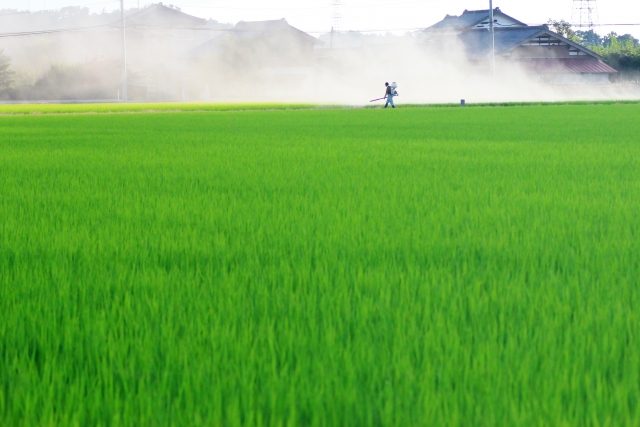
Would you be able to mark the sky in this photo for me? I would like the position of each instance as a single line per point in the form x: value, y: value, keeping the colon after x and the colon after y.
x: 317, y: 16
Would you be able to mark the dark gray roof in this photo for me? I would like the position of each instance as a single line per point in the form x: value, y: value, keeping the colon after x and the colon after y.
x: 161, y: 16
x: 253, y: 29
x: 478, y: 42
x: 468, y: 20
x: 582, y: 65
x: 263, y: 26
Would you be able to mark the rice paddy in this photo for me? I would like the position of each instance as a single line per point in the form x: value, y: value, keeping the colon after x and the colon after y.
x: 298, y: 266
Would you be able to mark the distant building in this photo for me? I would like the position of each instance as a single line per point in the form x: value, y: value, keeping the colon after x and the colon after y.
x: 537, y: 49
x: 160, y: 16
x: 268, y: 54
x: 277, y: 39
x: 159, y: 39
x: 260, y: 42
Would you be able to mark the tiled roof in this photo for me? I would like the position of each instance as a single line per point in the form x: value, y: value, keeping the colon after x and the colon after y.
x: 468, y: 20
x: 158, y: 15
x: 478, y: 42
x: 583, y: 65
x: 249, y: 29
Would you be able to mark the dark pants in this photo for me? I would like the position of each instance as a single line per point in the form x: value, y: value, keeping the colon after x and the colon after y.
x: 389, y: 102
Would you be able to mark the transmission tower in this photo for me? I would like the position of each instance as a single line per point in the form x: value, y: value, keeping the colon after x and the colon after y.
x: 585, y: 13
x: 336, y: 14
x: 336, y: 19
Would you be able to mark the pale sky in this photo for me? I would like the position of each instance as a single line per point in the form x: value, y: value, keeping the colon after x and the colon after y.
x: 362, y: 15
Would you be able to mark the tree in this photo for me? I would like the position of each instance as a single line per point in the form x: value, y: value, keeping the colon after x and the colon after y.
x: 86, y: 81
x: 6, y: 75
x: 563, y: 28
x: 610, y: 41
x: 622, y: 52
x: 628, y: 44
x: 589, y: 38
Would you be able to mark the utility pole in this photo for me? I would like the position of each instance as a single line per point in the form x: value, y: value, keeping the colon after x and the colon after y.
x: 493, y: 39
x: 331, y: 40
x: 125, y: 95
x: 336, y: 18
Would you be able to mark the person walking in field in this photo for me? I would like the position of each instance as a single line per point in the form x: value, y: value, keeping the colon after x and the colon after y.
x: 389, y: 94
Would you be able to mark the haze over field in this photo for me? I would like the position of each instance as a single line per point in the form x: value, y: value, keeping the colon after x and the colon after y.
x: 218, y: 63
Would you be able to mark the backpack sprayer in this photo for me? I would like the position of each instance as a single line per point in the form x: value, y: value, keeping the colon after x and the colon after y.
x: 394, y: 92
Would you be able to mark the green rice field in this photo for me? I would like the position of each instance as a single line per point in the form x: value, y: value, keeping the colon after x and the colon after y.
x: 293, y: 266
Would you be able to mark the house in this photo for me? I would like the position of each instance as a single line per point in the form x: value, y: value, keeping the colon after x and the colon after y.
x: 253, y: 58
x: 475, y: 20
x: 161, y: 16
x: 259, y: 44
x: 536, y: 49
x: 275, y: 39
x: 162, y: 26
x: 159, y: 39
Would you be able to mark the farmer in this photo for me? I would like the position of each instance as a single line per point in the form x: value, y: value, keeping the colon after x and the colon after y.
x: 389, y: 94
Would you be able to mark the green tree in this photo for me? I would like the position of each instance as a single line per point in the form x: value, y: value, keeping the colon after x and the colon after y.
x: 610, y: 42
x: 628, y: 39
x: 622, y: 52
x: 563, y: 28
x: 589, y: 38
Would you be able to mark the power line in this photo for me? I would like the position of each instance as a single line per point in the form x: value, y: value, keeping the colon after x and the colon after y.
x: 53, y: 31
x: 609, y: 25
x: 15, y: 12
x: 214, y: 30
x: 110, y: 25
x: 603, y: 25
x: 113, y: 26
x: 395, y: 4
